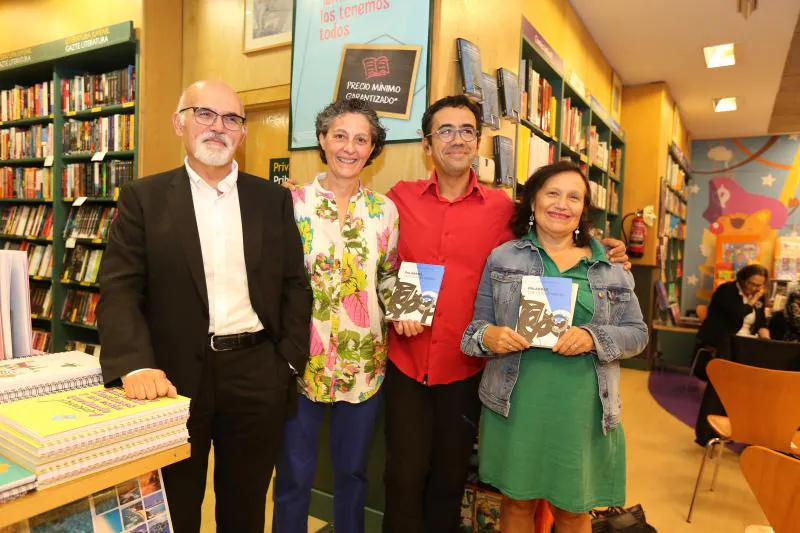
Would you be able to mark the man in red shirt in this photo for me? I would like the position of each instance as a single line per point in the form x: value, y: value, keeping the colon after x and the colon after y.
x: 432, y: 404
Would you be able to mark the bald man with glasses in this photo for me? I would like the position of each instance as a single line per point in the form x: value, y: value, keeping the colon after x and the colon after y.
x: 204, y: 293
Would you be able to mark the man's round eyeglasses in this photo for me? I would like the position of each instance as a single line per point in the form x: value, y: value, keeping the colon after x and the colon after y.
x: 207, y: 117
x: 447, y: 134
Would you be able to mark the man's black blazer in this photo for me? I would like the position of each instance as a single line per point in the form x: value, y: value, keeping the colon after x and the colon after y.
x: 153, y: 308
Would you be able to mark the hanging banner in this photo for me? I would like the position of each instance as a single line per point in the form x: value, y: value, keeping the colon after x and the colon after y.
x: 83, y: 42
x: 376, y: 50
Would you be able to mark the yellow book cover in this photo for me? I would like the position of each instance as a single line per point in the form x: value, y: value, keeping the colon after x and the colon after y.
x: 523, y: 151
x: 73, y: 411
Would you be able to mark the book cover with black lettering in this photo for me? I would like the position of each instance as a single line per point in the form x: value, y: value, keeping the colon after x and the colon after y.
x: 545, y: 309
x: 490, y: 108
x: 504, y: 161
x: 469, y: 57
x: 416, y: 292
x: 508, y: 85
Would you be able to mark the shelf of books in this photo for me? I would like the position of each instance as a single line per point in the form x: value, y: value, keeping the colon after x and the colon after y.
x: 672, y: 234
x: 68, y: 124
x: 559, y: 120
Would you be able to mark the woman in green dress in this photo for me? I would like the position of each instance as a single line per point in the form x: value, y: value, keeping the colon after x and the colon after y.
x: 550, y: 427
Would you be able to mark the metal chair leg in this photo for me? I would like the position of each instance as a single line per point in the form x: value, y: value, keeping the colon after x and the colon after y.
x: 709, y: 448
x: 717, y: 461
x: 694, y: 363
x: 691, y: 370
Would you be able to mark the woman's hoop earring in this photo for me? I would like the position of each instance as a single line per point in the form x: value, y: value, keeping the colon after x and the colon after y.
x: 530, y: 222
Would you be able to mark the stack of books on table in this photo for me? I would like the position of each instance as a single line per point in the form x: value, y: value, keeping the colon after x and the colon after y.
x: 14, y: 480
x: 61, y: 428
x: 24, y: 377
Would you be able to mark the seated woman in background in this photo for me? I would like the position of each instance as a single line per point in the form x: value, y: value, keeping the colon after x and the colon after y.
x: 736, y: 308
x: 550, y: 427
x: 785, y: 325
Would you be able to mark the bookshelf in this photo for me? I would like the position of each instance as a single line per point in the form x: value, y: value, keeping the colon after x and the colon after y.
x: 560, y: 121
x: 74, y: 105
x: 673, y: 211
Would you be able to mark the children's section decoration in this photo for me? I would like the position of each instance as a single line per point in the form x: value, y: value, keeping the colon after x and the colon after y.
x: 735, y: 252
x: 740, y: 202
x: 787, y: 259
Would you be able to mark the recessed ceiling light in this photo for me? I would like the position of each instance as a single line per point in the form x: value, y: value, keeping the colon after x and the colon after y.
x: 725, y: 104
x: 719, y: 56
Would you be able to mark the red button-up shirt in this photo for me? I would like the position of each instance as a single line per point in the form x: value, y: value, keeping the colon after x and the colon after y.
x: 458, y: 234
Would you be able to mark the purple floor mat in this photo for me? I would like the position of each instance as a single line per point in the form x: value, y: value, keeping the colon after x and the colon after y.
x: 670, y: 391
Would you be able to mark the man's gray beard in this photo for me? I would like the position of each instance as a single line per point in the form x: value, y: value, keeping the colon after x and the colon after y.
x: 211, y: 157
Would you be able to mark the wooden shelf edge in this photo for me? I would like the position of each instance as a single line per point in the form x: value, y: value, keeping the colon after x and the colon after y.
x: 674, y: 329
x: 38, y: 502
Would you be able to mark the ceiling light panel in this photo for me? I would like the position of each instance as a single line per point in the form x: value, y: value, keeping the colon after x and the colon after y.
x: 721, y: 105
x: 719, y: 56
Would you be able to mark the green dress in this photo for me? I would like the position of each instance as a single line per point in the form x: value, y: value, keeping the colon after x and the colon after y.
x: 552, y: 446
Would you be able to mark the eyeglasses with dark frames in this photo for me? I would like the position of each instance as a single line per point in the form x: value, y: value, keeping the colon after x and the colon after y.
x: 206, y: 117
x: 448, y: 133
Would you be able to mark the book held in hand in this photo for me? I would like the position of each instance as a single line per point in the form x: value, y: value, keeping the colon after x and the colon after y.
x: 415, y: 294
x: 545, y: 309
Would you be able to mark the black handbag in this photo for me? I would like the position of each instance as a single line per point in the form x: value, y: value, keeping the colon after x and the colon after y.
x: 620, y: 520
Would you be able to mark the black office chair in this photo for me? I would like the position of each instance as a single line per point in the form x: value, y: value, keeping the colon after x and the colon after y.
x: 765, y: 353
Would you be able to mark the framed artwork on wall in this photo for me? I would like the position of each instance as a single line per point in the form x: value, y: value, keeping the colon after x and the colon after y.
x: 267, y: 24
x: 616, y: 96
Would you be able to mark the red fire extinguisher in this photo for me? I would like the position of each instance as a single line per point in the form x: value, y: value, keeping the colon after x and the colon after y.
x: 638, y: 234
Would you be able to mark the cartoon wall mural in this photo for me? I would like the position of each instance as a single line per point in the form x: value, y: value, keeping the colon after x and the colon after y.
x: 759, y: 197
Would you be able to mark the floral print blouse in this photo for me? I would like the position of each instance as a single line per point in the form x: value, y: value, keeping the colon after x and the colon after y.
x: 352, y: 271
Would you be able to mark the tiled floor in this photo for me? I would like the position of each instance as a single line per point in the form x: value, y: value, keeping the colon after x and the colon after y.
x: 662, y: 467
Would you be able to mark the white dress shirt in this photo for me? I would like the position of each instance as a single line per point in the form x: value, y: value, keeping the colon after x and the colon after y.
x: 219, y: 224
x: 749, y: 319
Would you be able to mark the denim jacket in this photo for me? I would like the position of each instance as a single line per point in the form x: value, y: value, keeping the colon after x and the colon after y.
x: 617, y: 327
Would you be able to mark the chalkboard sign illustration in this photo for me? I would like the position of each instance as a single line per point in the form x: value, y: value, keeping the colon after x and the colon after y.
x: 545, y: 310
x: 415, y: 294
x: 383, y: 75
x: 375, y: 67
